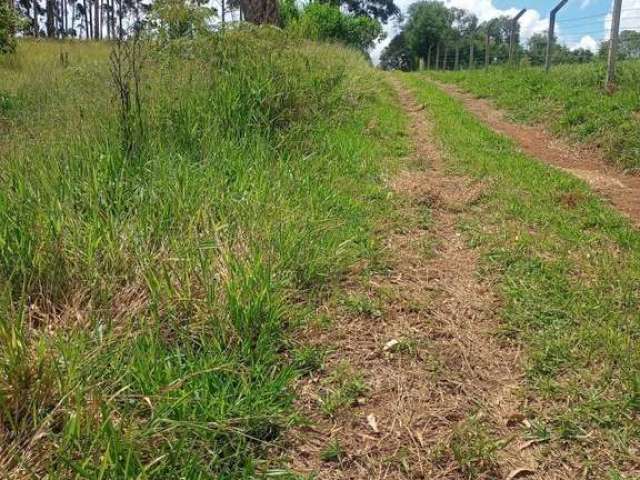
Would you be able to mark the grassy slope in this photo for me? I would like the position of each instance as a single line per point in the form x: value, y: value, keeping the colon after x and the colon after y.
x: 569, y: 100
x: 145, y: 301
x: 569, y: 269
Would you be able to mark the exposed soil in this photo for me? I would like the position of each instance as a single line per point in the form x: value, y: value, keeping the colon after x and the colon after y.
x: 442, y: 397
x: 622, y: 190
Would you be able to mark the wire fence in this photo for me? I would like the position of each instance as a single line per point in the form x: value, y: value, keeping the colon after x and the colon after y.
x: 575, y: 39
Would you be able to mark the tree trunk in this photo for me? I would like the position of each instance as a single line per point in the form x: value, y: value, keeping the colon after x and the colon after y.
x: 437, y: 56
x: 89, y: 19
x: 444, y: 59
x: 260, y: 11
x: 60, y: 17
x: 113, y: 19
x: 51, y: 20
x: 457, y: 62
x: 108, y: 21
x: 471, y: 62
x: 36, y: 24
x: 73, y: 19
x: 120, y: 32
x: 96, y: 19
x: 429, y: 57
x: 64, y: 17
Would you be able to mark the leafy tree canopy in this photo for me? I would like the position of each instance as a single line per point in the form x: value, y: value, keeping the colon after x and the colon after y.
x: 321, y: 21
x: 397, y: 55
x: 429, y: 23
x: 9, y: 24
x: 179, y: 18
x: 381, y: 10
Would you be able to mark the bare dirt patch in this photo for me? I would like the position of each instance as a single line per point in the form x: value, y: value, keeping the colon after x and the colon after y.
x: 622, y: 190
x: 427, y: 388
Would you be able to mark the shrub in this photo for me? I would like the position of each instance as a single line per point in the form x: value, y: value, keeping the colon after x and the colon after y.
x: 324, y: 22
x: 174, y: 19
x: 8, y: 24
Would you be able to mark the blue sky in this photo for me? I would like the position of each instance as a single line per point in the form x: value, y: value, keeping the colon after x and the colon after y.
x: 573, y: 29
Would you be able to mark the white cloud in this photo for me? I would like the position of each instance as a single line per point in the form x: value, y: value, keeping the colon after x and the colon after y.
x: 628, y: 19
x: 530, y: 23
x: 587, y: 42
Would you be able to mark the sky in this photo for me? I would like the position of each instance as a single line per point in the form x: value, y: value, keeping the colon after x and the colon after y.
x: 581, y: 23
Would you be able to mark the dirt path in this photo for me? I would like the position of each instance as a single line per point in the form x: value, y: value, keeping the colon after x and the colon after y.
x: 417, y: 385
x: 622, y: 190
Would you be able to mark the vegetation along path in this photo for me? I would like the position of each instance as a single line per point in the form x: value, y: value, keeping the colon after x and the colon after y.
x: 417, y: 378
x: 586, y: 163
x: 497, y: 340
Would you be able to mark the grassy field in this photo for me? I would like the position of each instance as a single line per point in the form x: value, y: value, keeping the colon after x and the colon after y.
x: 158, y: 250
x: 568, y: 269
x: 569, y: 100
x: 149, y: 280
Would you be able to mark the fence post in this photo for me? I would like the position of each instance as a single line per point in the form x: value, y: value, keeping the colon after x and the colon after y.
x: 487, y: 46
x: 471, y: 65
x: 613, y: 45
x: 429, y: 57
x: 437, y: 55
x: 550, y: 33
x: 457, y: 61
x: 445, y: 60
x: 512, y: 36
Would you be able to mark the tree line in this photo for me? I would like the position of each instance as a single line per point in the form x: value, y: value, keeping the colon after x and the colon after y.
x: 357, y: 23
x: 436, y: 36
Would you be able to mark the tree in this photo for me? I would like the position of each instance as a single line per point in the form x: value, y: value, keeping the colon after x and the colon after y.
x: 630, y: 44
x: 9, y: 22
x: 499, y: 29
x: 174, y: 19
x: 463, y: 27
x: 537, y: 48
x: 381, y: 10
x: 397, y: 55
x: 428, y: 25
x: 321, y: 21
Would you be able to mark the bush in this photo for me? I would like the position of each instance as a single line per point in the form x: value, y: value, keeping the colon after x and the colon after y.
x: 324, y: 22
x: 8, y: 25
x: 179, y: 18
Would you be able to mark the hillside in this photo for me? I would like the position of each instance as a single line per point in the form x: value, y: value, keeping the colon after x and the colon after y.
x: 569, y: 100
x: 250, y: 255
x: 153, y: 261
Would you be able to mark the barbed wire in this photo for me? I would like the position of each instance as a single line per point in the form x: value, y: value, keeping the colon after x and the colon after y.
x: 576, y: 19
x: 597, y: 15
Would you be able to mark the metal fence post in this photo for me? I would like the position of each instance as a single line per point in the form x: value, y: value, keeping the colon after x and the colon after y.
x: 512, y: 36
x: 487, y: 46
x: 613, y: 45
x: 550, y: 33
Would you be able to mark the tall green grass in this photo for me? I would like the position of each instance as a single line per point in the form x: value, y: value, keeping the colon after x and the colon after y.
x: 570, y: 100
x: 145, y: 299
